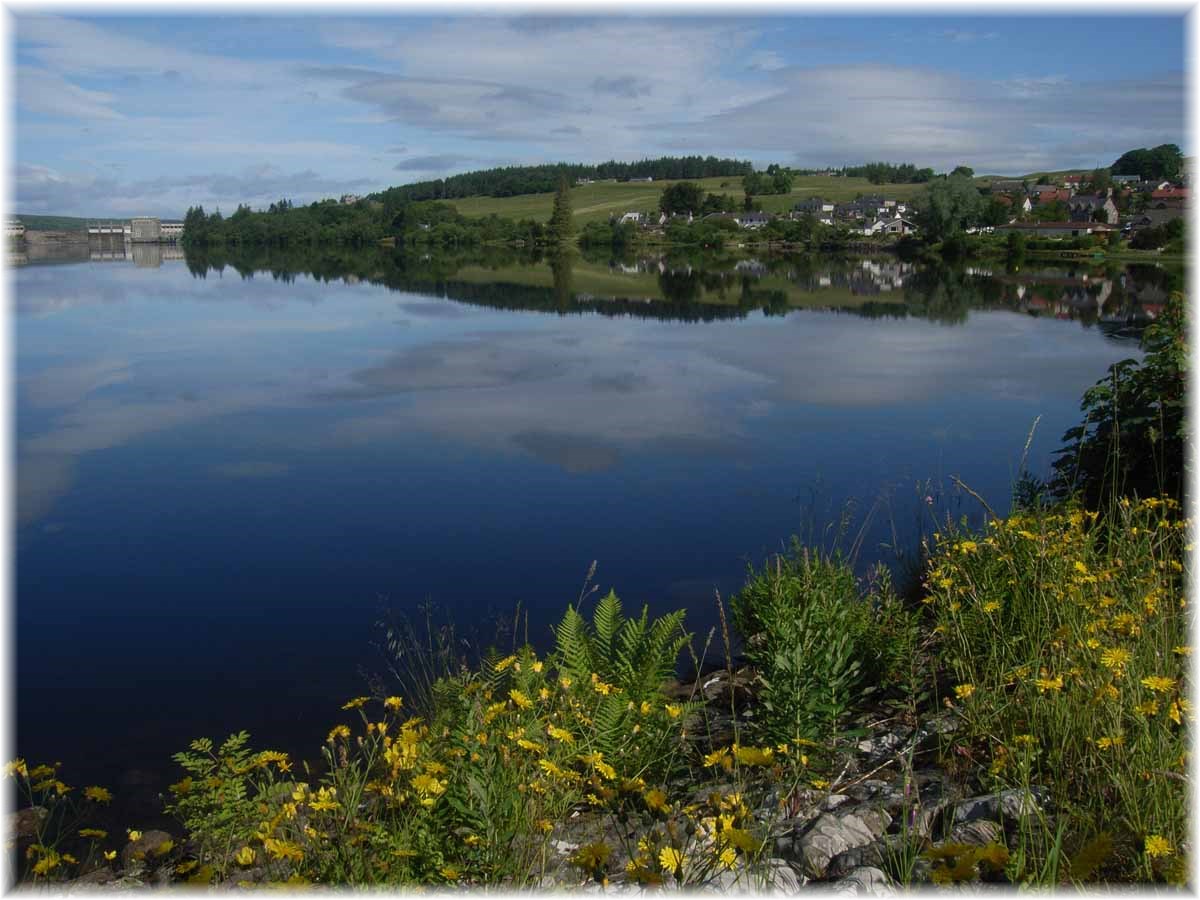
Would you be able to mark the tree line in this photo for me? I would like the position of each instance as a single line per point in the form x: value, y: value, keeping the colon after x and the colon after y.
x: 510, y: 181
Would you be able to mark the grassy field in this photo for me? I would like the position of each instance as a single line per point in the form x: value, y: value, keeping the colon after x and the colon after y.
x: 596, y: 202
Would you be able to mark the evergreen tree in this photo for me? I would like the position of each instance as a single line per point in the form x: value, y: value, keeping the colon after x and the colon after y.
x: 561, y: 227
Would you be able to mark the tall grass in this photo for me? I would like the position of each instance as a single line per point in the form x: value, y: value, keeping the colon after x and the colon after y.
x: 1067, y: 637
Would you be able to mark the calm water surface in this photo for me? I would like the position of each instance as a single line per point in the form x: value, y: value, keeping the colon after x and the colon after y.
x: 223, y: 480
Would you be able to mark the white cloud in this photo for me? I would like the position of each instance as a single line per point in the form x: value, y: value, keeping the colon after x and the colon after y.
x: 46, y: 92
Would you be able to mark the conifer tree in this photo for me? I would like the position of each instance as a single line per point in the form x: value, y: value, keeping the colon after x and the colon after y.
x: 561, y: 227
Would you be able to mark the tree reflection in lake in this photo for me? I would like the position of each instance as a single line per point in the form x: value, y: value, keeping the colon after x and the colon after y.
x: 696, y: 286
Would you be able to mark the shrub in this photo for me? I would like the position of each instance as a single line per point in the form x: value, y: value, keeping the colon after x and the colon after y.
x: 817, y: 640
x: 1132, y: 437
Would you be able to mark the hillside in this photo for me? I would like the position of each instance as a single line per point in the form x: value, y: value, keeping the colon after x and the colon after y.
x: 596, y: 202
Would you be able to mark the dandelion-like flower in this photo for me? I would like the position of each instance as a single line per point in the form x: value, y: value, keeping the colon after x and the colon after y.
x: 964, y: 691
x: 1160, y: 684
x: 670, y: 859
x: 1157, y: 845
x: 99, y: 794
x: 355, y: 703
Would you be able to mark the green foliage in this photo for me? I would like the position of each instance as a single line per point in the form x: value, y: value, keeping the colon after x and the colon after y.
x: 1134, y: 431
x: 560, y: 228
x: 889, y: 173
x: 682, y: 197
x: 636, y: 655
x: 1163, y: 163
x: 515, y: 180
x: 817, y: 640
x: 217, y: 800
x: 951, y: 205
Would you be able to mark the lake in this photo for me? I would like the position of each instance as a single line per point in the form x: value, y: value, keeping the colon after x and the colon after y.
x: 230, y: 469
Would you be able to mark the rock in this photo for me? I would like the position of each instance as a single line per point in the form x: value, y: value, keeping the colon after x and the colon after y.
x: 24, y: 823
x: 831, y: 834
x: 882, y: 746
x: 976, y: 833
x: 782, y: 878
x: 833, y: 801
x: 1008, y: 806
x: 151, y: 847
x: 102, y: 875
x: 856, y: 857
x: 865, y: 880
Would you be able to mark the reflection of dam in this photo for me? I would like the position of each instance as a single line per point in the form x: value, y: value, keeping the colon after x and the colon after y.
x: 144, y: 256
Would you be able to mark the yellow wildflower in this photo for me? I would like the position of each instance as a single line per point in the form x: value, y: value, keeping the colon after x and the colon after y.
x: 244, y: 857
x: 393, y: 703
x: 670, y: 859
x: 545, y: 825
x: 519, y: 699
x: 1157, y: 845
x: 964, y: 691
x: 339, y: 731
x: 99, y: 794
x: 135, y: 835
x: 1149, y: 708
x: 16, y: 767
x: 97, y: 833
x: 991, y: 606
x: 656, y: 800
x: 1049, y: 684
x: 505, y: 663
x: 1159, y: 683
x: 355, y: 703
x: 754, y: 756
x: 727, y: 858
x: 718, y: 758
x: 110, y: 855
x: 1115, y: 658
x: 537, y: 666
x: 560, y: 734
x: 1105, y: 743
x: 674, y: 710
x: 1182, y: 650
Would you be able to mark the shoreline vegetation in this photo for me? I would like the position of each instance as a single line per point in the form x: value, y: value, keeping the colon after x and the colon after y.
x: 1022, y: 720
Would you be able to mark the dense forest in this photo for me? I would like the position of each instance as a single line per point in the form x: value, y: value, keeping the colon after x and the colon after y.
x: 889, y: 173
x: 514, y: 180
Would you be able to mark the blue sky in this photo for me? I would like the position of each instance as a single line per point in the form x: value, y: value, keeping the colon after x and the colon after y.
x: 126, y: 115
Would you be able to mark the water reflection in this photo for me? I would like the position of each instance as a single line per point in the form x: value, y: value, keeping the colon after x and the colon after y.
x: 263, y: 444
x: 695, y: 287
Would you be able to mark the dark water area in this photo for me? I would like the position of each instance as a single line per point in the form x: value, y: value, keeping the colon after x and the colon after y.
x: 230, y: 468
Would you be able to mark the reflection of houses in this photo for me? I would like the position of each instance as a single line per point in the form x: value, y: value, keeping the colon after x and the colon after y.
x: 15, y: 229
x: 751, y: 267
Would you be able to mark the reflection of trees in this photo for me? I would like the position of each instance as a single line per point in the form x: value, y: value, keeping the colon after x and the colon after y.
x: 942, y: 294
x: 561, y: 268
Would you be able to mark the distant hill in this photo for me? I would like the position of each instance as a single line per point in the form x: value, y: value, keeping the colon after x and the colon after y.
x: 512, y: 181
x: 34, y: 222
x: 56, y: 223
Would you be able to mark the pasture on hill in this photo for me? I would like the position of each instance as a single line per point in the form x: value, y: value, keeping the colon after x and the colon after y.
x: 596, y: 202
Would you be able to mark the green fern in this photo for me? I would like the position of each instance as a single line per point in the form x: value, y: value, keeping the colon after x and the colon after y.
x: 635, y: 655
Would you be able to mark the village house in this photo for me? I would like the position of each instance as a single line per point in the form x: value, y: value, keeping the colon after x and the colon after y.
x: 752, y: 219
x: 1129, y: 180
x: 1170, y: 192
x: 1153, y: 218
x: 1051, y: 194
x: 1084, y: 207
x: 897, y: 226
